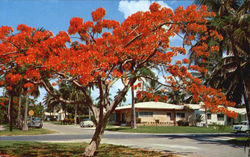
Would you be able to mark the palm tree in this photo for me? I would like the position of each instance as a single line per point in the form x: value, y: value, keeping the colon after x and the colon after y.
x: 35, y: 93
x: 133, y: 113
x: 19, y: 119
x: 70, y: 92
x: 50, y: 102
x: 231, y: 73
x: 16, y: 90
x: 176, y: 97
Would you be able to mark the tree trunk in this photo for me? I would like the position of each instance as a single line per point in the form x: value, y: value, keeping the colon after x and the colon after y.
x: 19, y: 119
x: 174, y: 118
x: 96, y: 139
x: 206, y: 124
x: 133, y: 114
x: 9, y: 106
x: 25, y: 126
x: 89, y: 114
x: 76, y: 113
x: 10, y: 113
x: 246, y: 99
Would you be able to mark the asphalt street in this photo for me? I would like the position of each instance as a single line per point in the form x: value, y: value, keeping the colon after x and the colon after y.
x: 191, y: 145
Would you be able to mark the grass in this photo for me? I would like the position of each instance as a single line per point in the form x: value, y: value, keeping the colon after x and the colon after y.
x: 172, y: 129
x: 55, y: 122
x: 31, y: 131
x: 59, y: 123
x: 30, y: 149
x: 240, y: 141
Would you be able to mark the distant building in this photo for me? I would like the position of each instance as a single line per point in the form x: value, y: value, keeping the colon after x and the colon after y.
x: 221, y: 119
x: 55, y: 115
x: 159, y: 113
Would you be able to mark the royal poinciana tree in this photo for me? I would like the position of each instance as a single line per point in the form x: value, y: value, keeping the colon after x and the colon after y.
x: 102, y: 51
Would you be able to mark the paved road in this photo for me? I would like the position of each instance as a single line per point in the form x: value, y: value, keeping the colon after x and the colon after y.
x: 191, y: 145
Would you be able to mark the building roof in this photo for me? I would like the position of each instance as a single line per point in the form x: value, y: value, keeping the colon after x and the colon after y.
x: 162, y: 105
x: 238, y: 110
x: 158, y: 105
x: 55, y: 113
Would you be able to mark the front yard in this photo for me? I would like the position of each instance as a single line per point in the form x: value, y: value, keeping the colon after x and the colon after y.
x: 172, y: 129
x: 31, y: 131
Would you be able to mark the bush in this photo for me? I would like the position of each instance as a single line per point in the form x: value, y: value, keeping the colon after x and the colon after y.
x: 53, y: 119
x: 68, y: 121
x: 138, y: 120
x: 198, y: 118
x: 221, y: 127
x: 182, y: 123
x: 157, y: 121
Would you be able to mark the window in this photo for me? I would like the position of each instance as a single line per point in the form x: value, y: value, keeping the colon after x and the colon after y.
x: 169, y: 115
x: 208, y: 116
x: 180, y: 115
x: 145, y: 114
x: 220, y: 117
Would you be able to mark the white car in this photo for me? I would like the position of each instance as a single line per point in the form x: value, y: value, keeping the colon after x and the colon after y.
x: 242, y: 127
x: 86, y: 123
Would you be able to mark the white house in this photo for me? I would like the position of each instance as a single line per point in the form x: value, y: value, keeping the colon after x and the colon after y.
x: 151, y: 113
x: 60, y: 115
x: 221, y: 119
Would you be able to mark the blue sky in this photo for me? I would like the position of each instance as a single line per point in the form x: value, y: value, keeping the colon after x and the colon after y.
x: 54, y: 15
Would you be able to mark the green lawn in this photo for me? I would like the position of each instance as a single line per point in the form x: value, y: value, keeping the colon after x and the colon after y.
x: 55, y: 122
x: 241, y: 141
x: 172, y: 129
x: 31, y: 131
x: 33, y: 149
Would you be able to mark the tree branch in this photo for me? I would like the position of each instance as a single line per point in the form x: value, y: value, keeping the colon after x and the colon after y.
x: 119, y: 97
x: 59, y: 98
x: 139, y: 35
x: 9, y: 53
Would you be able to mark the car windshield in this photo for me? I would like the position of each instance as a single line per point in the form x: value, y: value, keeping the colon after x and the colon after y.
x: 243, y: 123
x: 36, y: 119
x: 85, y: 119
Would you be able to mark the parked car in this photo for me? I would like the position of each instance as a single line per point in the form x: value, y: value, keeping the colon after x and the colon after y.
x: 242, y: 127
x: 35, y: 122
x: 87, y: 123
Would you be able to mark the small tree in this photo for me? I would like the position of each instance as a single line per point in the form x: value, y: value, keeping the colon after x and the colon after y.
x: 100, y: 58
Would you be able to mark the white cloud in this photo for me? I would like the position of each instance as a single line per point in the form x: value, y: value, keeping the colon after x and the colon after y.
x: 130, y: 7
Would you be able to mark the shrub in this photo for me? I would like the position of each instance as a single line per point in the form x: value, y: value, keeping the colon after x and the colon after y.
x: 182, y: 123
x: 68, y: 121
x: 138, y: 120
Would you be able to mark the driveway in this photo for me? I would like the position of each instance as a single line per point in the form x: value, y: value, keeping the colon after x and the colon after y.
x: 187, y: 145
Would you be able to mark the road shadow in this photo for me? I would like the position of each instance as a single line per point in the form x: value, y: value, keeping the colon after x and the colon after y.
x: 213, y: 139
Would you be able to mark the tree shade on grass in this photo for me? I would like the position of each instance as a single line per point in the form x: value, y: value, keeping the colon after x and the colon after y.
x: 30, y: 149
x: 241, y: 141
